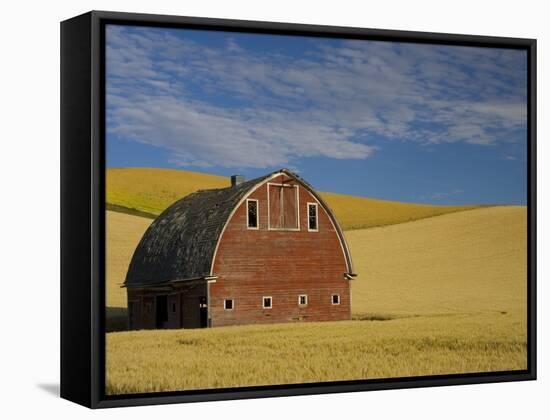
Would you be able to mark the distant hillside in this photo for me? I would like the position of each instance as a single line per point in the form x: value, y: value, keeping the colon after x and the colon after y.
x: 147, y: 192
x: 360, y: 213
x: 467, y: 262
x: 151, y: 190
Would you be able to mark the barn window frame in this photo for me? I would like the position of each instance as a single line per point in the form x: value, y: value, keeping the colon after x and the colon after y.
x: 270, y: 302
x: 248, y: 200
x: 337, y: 296
x: 300, y: 300
x: 280, y: 184
x: 225, y: 308
x: 309, y: 229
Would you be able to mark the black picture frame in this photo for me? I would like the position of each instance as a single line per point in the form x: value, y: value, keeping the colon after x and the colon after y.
x: 83, y: 208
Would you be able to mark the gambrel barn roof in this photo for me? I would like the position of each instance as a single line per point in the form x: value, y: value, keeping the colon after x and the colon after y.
x: 181, y: 242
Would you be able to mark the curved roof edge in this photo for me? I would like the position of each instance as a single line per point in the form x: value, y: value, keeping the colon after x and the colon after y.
x: 182, y: 242
x: 332, y: 217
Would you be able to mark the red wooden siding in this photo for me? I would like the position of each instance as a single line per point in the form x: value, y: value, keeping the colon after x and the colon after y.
x: 283, y: 264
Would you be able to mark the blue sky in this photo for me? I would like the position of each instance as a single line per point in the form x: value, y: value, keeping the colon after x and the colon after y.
x: 408, y: 122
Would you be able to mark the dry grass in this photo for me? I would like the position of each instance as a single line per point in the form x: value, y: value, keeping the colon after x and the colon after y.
x: 439, y: 295
x: 151, y: 190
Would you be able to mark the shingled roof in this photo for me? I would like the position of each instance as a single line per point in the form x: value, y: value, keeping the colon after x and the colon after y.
x: 180, y: 243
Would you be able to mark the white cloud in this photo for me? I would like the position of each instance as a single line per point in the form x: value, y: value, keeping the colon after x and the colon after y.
x: 165, y: 90
x: 202, y: 135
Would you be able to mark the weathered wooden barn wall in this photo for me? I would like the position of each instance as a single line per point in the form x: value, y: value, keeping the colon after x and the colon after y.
x: 148, y: 312
x: 141, y: 310
x: 182, y: 307
x: 283, y: 264
x: 174, y: 311
x: 190, y: 305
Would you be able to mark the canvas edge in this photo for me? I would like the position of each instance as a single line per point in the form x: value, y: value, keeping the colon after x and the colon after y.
x: 95, y: 387
x: 76, y: 201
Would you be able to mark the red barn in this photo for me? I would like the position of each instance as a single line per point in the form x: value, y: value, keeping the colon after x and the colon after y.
x: 262, y: 251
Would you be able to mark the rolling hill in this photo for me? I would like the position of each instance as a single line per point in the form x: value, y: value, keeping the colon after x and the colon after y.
x: 148, y: 191
x: 450, y: 290
x: 462, y: 262
x: 467, y: 262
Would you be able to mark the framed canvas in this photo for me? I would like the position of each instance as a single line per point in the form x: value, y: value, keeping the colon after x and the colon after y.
x: 254, y: 209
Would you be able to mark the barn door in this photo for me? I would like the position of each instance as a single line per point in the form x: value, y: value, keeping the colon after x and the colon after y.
x: 134, y: 315
x: 161, y: 311
x: 203, y: 311
x: 148, y: 317
x: 283, y: 206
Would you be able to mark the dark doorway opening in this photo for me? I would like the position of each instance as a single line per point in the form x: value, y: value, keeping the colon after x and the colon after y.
x: 203, y: 311
x: 162, y: 311
x: 131, y: 315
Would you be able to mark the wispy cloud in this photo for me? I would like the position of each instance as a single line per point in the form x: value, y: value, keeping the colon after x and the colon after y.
x: 242, y: 107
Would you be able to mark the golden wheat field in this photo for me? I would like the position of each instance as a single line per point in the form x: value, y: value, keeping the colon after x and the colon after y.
x: 440, y: 295
x: 151, y: 190
x: 361, y: 213
x: 168, y: 360
x: 467, y: 262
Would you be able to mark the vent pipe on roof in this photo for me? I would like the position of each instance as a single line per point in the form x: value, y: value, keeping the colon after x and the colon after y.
x: 236, y: 180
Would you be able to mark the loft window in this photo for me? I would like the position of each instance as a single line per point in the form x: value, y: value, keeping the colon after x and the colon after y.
x: 228, y: 304
x: 302, y: 300
x: 252, y: 214
x: 267, y: 302
x: 312, y: 217
x: 336, y: 299
x: 283, y: 206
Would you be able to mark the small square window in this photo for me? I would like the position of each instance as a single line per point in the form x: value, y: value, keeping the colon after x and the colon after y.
x: 302, y: 300
x: 228, y: 304
x: 267, y: 302
x: 336, y: 299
